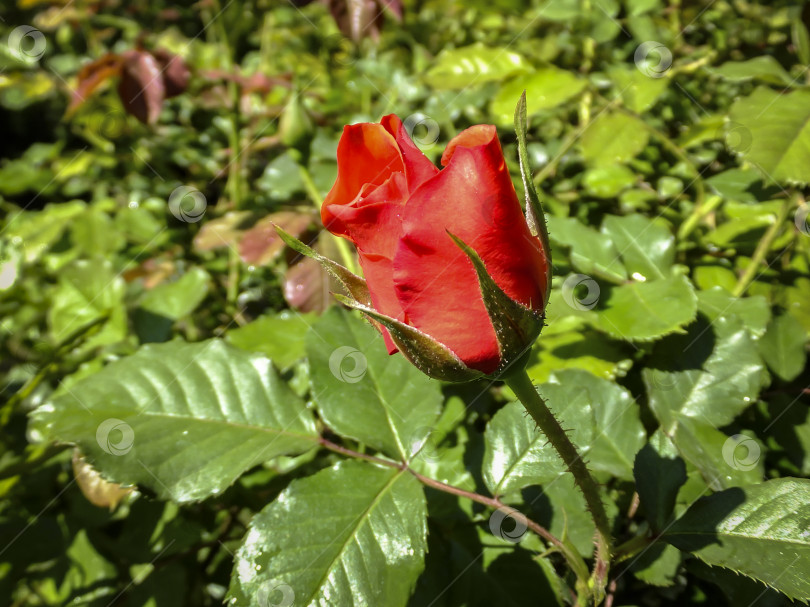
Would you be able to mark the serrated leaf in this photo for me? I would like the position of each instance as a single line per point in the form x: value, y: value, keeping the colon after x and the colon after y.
x: 712, y: 387
x: 783, y: 347
x: 619, y: 432
x: 613, y: 138
x: 88, y: 290
x: 353, y: 534
x: 772, y: 131
x: 365, y: 394
x: 280, y: 337
x: 647, y: 247
x: 753, y: 311
x: 183, y: 419
x: 657, y: 565
x: 642, y: 311
x: 760, y: 531
x: 592, y: 253
x: 580, y: 348
x: 723, y: 461
x: 474, y: 64
x: 639, y: 92
x: 659, y: 473
x: 764, y: 68
x: 174, y: 300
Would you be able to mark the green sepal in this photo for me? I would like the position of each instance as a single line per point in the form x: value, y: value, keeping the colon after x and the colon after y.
x: 432, y: 358
x: 516, y: 326
x: 355, y: 285
x: 534, y: 208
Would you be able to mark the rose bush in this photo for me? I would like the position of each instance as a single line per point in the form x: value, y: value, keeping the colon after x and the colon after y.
x: 409, y: 221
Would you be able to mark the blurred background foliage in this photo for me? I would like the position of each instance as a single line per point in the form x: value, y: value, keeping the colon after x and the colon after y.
x: 146, y: 147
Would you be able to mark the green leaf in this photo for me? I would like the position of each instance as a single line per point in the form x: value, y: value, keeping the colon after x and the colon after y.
x: 569, y: 514
x: 772, y: 131
x: 764, y: 68
x: 619, y: 432
x: 639, y: 92
x: 723, y: 461
x: 659, y: 473
x: 714, y: 389
x: 581, y: 348
x: 174, y: 300
x: 743, y: 233
x: 279, y: 337
x: 642, y: 311
x: 760, y: 531
x: 783, y: 347
x: 736, y: 184
x: 546, y: 87
x: 613, y: 138
x: 38, y: 231
x: 592, y: 253
x: 88, y: 290
x: 183, y: 419
x: 608, y: 181
x: 753, y: 311
x: 475, y: 64
x: 94, y: 233
x: 657, y: 565
x: 647, y: 246
x: 365, y: 394
x: 518, y: 454
x: 790, y: 428
x: 353, y: 534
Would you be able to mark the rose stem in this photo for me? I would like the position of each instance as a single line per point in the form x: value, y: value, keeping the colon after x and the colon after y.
x: 522, y: 386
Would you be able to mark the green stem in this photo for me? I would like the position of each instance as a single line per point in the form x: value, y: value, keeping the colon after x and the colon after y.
x: 342, y: 246
x: 522, y: 386
x: 631, y: 548
x: 697, y: 215
x: 762, y: 249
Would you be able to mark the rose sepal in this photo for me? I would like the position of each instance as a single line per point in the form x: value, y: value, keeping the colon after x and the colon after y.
x: 353, y: 284
x: 516, y: 326
x: 428, y: 355
x: 535, y: 217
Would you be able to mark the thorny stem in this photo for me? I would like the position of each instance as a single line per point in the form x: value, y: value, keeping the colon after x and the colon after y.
x: 522, y: 386
x: 572, y: 558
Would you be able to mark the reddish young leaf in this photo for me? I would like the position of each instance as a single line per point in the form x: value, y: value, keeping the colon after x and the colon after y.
x: 141, y: 88
x: 90, y: 77
x: 175, y: 72
x: 261, y: 244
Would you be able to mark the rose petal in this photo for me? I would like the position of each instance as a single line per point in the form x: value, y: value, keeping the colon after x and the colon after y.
x: 367, y: 155
x: 435, y: 282
x: 418, y: 167
x: 375, y: 226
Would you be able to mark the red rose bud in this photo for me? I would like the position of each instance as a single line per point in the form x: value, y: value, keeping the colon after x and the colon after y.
x: 456, y: 278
